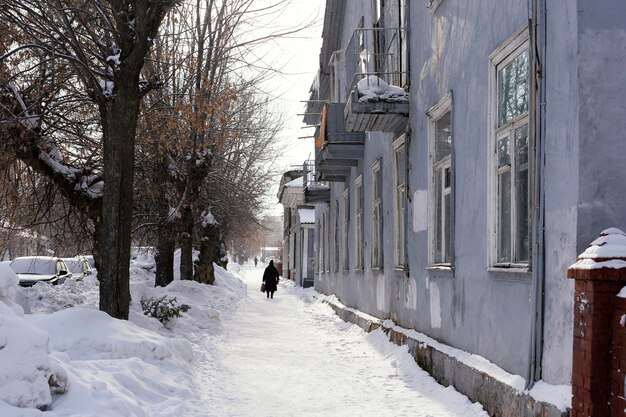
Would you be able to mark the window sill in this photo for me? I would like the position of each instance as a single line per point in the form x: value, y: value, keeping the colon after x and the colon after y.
x: 516, y: 269
x: 519, y: 274
x: 440, y: 271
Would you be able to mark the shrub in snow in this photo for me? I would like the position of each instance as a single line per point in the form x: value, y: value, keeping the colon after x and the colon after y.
x: 162, y: 309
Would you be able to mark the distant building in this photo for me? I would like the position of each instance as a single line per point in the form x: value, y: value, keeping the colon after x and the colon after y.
x: 299, y: 230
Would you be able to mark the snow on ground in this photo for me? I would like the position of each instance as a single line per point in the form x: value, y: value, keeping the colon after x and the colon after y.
x: 234, y: 353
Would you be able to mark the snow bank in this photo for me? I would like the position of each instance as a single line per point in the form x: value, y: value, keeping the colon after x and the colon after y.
x: 456, y: 403
x: 46, y: 298
x: 8, y: 282
x: 100, y: 365
x: 28, y: 375
x: 372, y: 88
x: 95, y: 335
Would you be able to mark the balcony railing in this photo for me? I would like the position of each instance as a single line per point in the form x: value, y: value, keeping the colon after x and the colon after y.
x: 379, y: 52
x: 376, y: 64
x: 332, y: 128
x: 314, y: 191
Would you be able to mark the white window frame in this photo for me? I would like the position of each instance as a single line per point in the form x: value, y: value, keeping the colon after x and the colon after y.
x: 377, y: 255
x: 400, y: 215
x: 503, y: 55
x: 435, y: 113
x: 345, y: 244
x: 360, y: 241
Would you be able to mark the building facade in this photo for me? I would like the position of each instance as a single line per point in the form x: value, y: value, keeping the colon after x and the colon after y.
x: 298, y: 244
x: 472, y: 150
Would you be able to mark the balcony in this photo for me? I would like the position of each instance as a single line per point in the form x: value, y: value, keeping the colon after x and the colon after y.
x: 314, y: 191
x: 376, y: 63
x: 336, y: 150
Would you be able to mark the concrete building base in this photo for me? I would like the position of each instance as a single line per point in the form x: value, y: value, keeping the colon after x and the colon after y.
x: 497, y: 397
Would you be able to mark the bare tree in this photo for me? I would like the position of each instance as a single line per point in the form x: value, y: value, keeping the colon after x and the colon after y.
x: 102, y: 45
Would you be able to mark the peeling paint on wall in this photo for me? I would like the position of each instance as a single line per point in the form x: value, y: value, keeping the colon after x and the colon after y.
x: 380, y: 293
x: 420, y: 211
x: 435, y: 306
x: 410, y: 294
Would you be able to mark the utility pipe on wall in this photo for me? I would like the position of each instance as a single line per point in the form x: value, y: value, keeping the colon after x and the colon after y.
x: 537, y: 9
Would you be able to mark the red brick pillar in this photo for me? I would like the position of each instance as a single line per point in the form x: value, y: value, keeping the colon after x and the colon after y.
x: 600, y: 274
x: 618, y: 371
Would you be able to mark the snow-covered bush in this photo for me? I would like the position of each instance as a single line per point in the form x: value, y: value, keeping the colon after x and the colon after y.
x: 163, y: 308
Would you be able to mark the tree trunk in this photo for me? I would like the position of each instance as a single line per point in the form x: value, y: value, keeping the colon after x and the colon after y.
x: 166, y: 237
x: 210, y: 252
x: 165, y: 256
x: 97, y: 242
x: 186, y: 245
x: 119, y: 124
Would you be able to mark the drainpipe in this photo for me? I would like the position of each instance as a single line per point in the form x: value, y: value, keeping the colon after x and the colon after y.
x: 537, y: 9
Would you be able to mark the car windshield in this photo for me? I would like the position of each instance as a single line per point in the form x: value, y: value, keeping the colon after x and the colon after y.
x: 34, y: 266
x: 75, y: 266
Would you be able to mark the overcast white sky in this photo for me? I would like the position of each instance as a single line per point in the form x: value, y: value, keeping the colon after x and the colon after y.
x: 298, y: 55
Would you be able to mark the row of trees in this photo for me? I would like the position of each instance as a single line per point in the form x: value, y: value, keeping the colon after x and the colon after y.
x: 135, y: 119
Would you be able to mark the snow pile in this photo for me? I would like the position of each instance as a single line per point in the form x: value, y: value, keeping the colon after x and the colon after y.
x: 8, y: 283
x: 559, y: 395
x: 207, y: 303
x: 472, y: 360
x: 46, y: 298
x: 95, y: 335
x: 317, y: 186
x: 607, y: 251
x: 414, y: 376
x: 372, y: 89
x: 71, y: 359
x: 207, y: 219
x: 298, y: 182
x: 28, y: 375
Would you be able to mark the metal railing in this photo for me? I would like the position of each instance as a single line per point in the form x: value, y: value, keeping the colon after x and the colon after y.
x: 381, y: 52
x: 308, y: 176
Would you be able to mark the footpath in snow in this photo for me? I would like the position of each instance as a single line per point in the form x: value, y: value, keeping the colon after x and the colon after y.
x: 292, y: 356
x: 234, y: 353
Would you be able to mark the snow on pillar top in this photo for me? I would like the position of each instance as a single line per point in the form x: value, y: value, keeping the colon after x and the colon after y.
x: 606, y: 252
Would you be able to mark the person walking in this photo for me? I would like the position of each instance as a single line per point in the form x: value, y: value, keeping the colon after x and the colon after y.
x: 270, y: 278
x: 256, y: 261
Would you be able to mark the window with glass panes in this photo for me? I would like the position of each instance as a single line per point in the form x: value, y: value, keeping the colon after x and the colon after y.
x: 377, y: 216
x: 512, y: 162
x: 358, y: 196
x: 400, y: 206
x: 345, y: 229
x: 442, y: 189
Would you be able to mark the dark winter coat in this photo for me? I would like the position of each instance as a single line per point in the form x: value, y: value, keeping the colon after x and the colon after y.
x: 270, y: 277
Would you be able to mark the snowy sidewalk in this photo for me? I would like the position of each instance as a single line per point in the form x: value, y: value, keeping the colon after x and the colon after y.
x: 292, y: 356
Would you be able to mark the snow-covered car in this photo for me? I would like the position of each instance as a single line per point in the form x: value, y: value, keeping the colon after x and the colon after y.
x: 78, y: 266
x: 33, y: 269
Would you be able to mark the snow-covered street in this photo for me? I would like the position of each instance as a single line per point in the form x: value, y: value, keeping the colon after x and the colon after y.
x: 292, y: 356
